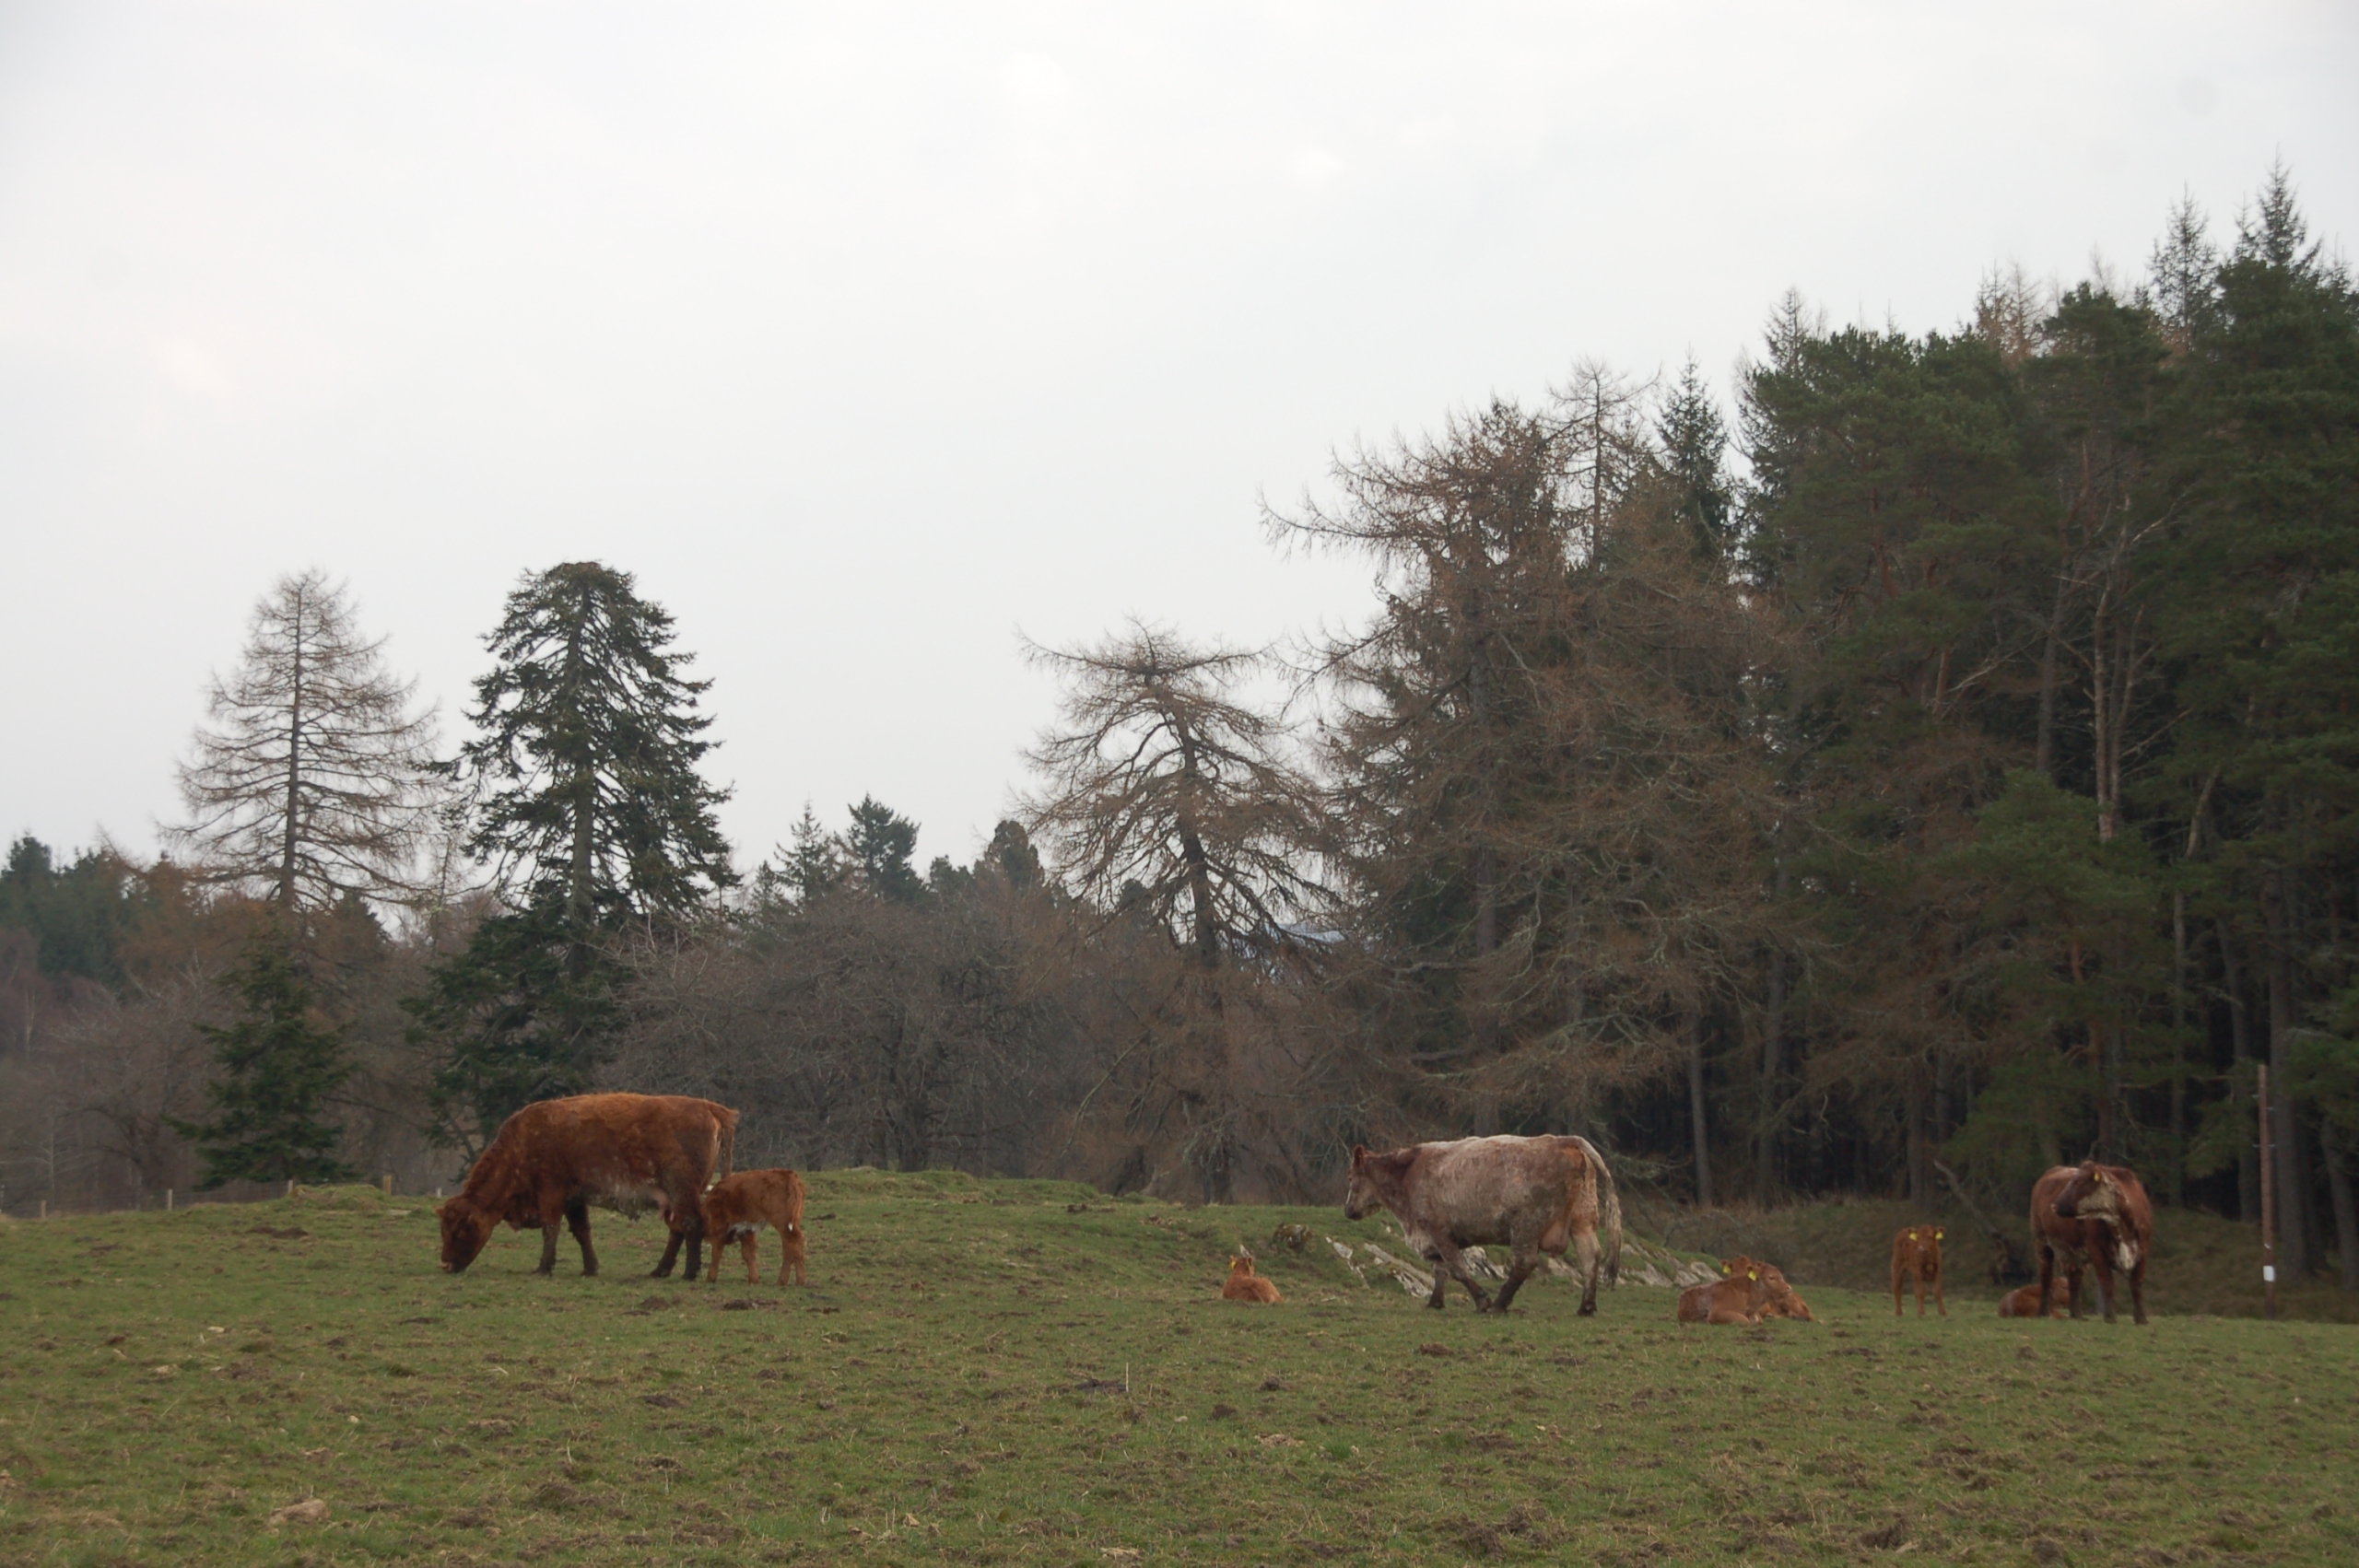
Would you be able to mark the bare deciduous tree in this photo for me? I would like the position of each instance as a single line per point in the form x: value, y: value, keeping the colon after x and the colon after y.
x: 313, y: 781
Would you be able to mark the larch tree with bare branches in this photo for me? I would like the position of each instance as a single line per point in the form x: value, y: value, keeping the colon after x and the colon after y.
x: 312, y: 780
x: 1168, y: 800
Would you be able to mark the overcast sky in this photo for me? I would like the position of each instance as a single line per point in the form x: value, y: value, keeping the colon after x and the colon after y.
x: 868, y: 336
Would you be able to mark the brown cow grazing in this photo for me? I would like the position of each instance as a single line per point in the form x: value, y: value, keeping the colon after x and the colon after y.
x: 627, y: 1153
x: 737, y: 1207
x: 1917, y: 1251
x: 2093, y: 1215
x: 2025, y: 1303
x: 1742, y: 1297
x: 1536, y: 1194
x: 1246, y: 1285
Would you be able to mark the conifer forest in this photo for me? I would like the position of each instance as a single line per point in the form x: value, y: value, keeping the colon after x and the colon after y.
x: 1918, y: 761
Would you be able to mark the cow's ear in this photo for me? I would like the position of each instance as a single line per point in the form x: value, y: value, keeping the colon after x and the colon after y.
x: 1359, y: 1155
x: 1752, y: 1273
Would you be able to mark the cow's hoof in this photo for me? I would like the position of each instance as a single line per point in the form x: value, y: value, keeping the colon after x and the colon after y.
x: 1588, y: 1309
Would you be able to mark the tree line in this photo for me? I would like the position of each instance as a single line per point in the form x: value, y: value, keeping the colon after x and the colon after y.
x: 1931, y: 765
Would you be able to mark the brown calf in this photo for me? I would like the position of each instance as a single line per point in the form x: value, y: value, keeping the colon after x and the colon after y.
x: 627, y: 1153
x: 1784, y: 1301
x: 1740, y: 1298
x: 735, y: 1209
x: 1917, y: 1251
x: 2025, y: 1303
x: 2093, y: 1216
x: 1246, y: 1285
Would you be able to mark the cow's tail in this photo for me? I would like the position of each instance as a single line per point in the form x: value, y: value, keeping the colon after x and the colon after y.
x: 1609, y: 1212
x: 728, y: 1146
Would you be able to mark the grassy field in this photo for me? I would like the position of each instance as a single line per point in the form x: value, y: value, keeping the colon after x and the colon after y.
x: 1030, y: 1373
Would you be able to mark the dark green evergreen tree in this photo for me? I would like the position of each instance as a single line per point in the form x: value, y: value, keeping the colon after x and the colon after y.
x: 878, y: 847
x: 1695, y: 448
x: 279, y: 1067
x: 76, y: 914
x: 590, y: 805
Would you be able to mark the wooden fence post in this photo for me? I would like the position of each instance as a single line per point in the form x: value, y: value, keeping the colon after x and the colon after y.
x: 2268, y: 1198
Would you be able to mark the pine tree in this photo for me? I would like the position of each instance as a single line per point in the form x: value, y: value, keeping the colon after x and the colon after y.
x: 877, y: 848
x: 1694, y: 452
x: 591, y: 808
x: 279, y: 1067
x: 315, y: 779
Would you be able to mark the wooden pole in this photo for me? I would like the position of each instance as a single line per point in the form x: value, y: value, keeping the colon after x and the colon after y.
x: 389, y: 1183
x: 168, y: 1201
x: 2268, y: 1199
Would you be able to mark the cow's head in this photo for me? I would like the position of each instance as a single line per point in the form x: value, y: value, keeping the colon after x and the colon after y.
x: 2092, y: 1194
x: 1374, y: 1181
x: 1241, y: 1264
x: 465, y: 1228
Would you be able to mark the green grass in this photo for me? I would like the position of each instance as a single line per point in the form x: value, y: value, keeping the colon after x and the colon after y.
x: 1028, y: 1373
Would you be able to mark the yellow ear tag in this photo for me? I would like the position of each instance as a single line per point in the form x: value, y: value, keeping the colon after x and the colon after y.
x: 1724, y: 1268
x: 1751, y: 1274
x: 1939, y: 1235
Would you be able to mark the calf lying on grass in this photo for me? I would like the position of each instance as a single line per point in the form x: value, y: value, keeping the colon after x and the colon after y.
x: 738, y: 1207
x: 1784, y: 1302
x: 1246, y: 1285
x: 1741, y: 1298
x: 2025, y: 1303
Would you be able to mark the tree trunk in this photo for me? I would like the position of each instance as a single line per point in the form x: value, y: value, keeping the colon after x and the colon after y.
x: 1692, y: 1033
x: 2293, y: 1206
x: 2240, y: 1031
x: 1913, y: 1108
x: 1773, y: 1032
x: 2346, y: 1220
x: 293, y: 814
x: 2044, y: 753
x: 1773, y: 1042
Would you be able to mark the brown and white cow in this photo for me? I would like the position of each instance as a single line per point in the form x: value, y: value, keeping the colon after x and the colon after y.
x: 738, y: 1206
x: 627, y: 1153
x: 2024, y: 1302
x: 1741, y: 1297
x: 2094, y: 1216
x: 1535, y: 1195
x: 1916, y: 1253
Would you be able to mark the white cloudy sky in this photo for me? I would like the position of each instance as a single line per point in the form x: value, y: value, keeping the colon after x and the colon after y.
x: 868, y: 334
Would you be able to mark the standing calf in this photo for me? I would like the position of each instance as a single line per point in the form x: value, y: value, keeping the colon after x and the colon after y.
x: 1917, y: 1251
x: 735, y: 1209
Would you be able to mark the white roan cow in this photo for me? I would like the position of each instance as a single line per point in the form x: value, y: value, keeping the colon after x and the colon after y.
x: 1536, y: 1194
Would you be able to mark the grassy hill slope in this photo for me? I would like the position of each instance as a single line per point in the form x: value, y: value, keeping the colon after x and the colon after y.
x: 1027, y: 1371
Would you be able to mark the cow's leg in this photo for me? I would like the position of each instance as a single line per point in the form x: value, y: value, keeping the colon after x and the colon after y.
x: 2047, y: 1274
x: 1451, y: 1264
x: 745, y: 1243
x: 2104, y: 1267
x: 696, y: 1247
x: 577, y: 1218
x: 1519, y: 1268
x: 1900, y: 1283
x: 552, y: 1216
x: 1586, y: 1244
x: 1939, y: 1304
x: 672, y: 1256
x: 2072, y: 1291
x: 2138, y: 1292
